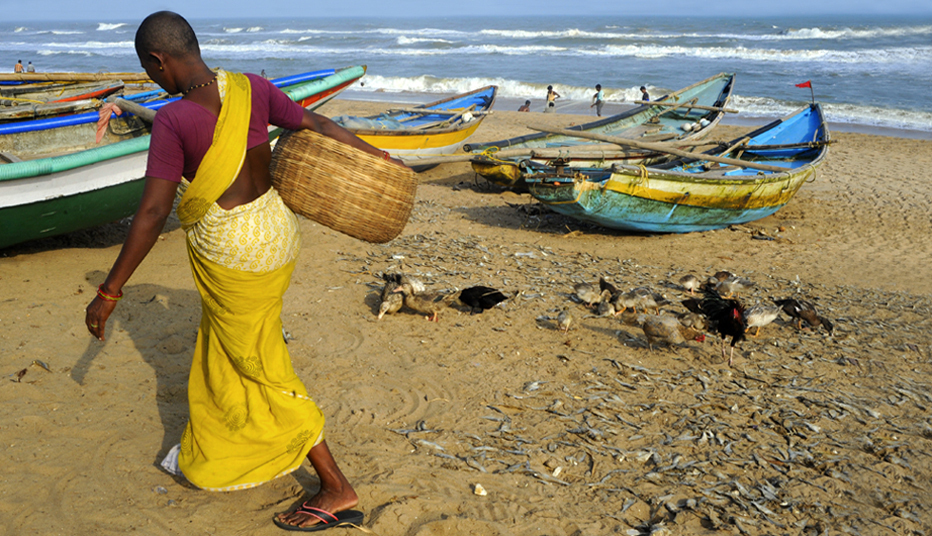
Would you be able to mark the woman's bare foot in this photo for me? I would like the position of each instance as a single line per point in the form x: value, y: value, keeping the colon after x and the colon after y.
x: 335, y: 495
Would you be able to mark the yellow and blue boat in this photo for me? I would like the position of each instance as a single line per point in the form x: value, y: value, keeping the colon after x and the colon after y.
x: 695, y: 194
x: 427, y: 130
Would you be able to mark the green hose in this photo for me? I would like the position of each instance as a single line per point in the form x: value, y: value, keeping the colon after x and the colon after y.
x: 57, y: 164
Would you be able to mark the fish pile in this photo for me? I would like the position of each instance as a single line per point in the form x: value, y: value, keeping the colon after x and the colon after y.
x: 818, y: 431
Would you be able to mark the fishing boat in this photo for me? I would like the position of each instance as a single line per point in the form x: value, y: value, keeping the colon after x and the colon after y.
x: 750, y: 178
x: 682, y: 116
x: 423, y: 131
x: 33, y: 101
x: 57, y: 92
x: 55, y: 180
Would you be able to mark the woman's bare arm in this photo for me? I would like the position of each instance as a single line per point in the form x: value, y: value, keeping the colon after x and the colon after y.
x: 157, y: 199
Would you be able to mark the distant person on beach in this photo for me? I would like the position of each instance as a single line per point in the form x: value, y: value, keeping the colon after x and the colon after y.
x: 18, y: 68
x: 644, y: 95
x: 551, y: 97
x: 250, y: 417
x: 598, y: 100
x: 30, y: 68
x: 526, y: 107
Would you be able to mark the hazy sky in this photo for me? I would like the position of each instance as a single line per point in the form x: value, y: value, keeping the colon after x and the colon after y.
x: 128, y: 11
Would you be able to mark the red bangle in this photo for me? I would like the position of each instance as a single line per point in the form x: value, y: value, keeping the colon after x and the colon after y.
x: 109, y: 297
x: 386, y: 156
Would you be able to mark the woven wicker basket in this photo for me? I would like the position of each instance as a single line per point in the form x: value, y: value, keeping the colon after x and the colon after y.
x: 342, y: 187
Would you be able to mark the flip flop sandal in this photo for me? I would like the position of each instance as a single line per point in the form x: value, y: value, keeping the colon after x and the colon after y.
x: 327, y: 520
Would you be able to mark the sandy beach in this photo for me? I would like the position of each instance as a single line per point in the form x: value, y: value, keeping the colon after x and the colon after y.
x: 584, y: 432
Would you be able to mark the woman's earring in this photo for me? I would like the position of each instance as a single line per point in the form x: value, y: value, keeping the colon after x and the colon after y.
x: 161, y: 68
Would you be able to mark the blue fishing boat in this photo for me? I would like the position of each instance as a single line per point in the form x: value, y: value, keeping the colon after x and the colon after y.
x: 695, y: 194
x: 427, y: 130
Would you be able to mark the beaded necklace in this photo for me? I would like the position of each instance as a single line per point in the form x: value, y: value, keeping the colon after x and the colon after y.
x: 205, y: 84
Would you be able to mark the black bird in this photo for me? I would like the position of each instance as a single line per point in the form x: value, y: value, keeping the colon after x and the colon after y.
x: 801, y: 310
x: 726, y: 317
x: 606, y: 285
x: 481, y: 298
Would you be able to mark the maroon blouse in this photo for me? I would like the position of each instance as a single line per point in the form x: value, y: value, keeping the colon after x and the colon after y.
x: 183, y: 130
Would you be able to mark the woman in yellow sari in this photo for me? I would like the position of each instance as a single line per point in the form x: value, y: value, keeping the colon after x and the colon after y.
x: 251, y: 419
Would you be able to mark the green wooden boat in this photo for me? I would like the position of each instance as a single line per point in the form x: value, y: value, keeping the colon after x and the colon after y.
x: 682, y: 116
x: 57, y: 180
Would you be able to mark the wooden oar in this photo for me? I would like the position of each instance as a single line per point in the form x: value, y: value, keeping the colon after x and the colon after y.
x: 662, y: 148
x: 584, y: 152
x: 422, y: 111
x: 696, y: 106
x: 141, y: 112
x: 450, y: 121
x: 687, y: 104
x: 74, y: 77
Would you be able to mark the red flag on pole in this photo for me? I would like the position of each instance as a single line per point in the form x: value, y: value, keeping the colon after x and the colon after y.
x: 807, y: 83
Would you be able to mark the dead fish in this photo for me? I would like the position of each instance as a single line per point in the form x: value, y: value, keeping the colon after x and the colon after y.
x: 421, y: 426
x: 41, y: 364
x: 429, y: 444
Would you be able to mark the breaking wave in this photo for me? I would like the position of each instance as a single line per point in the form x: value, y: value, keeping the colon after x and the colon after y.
x: 106, y: 26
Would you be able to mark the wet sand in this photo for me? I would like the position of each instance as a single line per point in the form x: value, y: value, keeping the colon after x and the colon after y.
x: 584, y: 432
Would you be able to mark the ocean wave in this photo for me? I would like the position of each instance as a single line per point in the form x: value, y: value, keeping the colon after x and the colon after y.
x: 746, y: 105
x: 848, y: 33
x: 20, y: 29
x: 895, y: 56
x: 233, y: 30
x: 106, y: 26
x: 574, y: 33
x: 402, y: 40
x: 407, y: 46
x: 421, y: 32
x: 506, y: 88
x: 838, y: 113
x: 778, y: 35
x: 57, y: 32
x: 887, y: 55
x: 253, y: 29
x: 64, y: 52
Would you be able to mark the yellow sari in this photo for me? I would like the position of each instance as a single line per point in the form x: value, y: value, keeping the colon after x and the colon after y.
x: 251, y: 419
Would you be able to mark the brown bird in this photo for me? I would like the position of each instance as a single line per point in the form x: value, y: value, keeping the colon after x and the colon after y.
x: 801, y: 310
x: 606, y: 307
x: 760, y: 315
x: 624, y: 301
x: 427, y: 303
x: 564, y: 320
x: 690, y: 283
x: 693, y: 320
x: 668, y: 330
x: 645, y: 299
x: 399, y: 279
x: 586, y: 293
x: 391, y: 301
x: 732, y: 285
x: 722, y: 275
